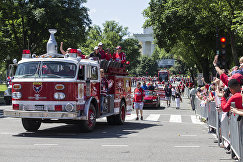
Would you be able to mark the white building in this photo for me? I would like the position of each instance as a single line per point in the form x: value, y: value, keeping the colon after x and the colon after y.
x: 146, y: 40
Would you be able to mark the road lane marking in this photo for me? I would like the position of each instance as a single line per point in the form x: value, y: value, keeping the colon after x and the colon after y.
x: 131, y: 117
x: 187, y: 146
x: 114, y: 145
x: 45, y: 144
x: 188, y: 135
x: 153, y: 117
x: 195, y: 120
x: 175, y: 118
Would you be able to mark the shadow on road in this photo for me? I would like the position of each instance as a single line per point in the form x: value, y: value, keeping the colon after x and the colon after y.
x: 154, y: 108
x: 102, y: 130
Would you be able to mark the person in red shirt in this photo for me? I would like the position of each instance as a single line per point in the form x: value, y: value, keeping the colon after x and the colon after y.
x: 101, y: 51
x: 108, y: 56
x: 80, y: 54
x: 138, y: 100
x: 235, y: 89
x: 119, y: 56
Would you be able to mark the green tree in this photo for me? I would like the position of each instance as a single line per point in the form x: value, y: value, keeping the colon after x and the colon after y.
x: 148, y: 66
x: 192, y: 24
x: 25, y: 24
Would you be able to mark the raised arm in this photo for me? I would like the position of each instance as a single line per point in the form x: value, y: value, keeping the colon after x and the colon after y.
x: 61, y: 49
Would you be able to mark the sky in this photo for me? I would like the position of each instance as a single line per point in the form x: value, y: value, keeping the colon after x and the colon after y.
x: 127, y: 13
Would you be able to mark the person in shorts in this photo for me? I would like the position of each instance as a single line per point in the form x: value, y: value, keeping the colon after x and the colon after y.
x: 138, y: 100
x: 168, y: 94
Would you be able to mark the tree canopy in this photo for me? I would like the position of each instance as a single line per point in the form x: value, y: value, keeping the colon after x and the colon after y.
x: 189, y: 27
x: 24, y: 24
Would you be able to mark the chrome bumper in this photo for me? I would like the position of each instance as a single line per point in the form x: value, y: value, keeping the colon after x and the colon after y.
x: 43, y: 115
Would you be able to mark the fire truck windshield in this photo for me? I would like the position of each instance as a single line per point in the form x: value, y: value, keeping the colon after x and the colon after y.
x: 163, y: 76
x: 46, y: 69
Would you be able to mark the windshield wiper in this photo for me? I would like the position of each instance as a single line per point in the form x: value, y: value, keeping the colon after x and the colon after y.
x: 22, y: 76
x: 58, y: 76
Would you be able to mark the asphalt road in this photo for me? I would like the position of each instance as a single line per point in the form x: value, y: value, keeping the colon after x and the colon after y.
x: 165, y: 135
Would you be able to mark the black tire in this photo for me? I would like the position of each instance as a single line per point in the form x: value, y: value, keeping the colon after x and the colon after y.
x: 8, y: 100
x: 88, y: 125
x: 111, y: 120
x: 31, y: 125
x: 120, y: 118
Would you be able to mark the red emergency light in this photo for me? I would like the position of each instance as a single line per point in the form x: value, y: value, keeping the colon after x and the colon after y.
x: 26, y: 52
x: 73, y: 51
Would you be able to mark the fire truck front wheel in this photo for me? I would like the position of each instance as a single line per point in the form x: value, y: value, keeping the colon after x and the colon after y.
x: 31, y: 125
x: 88, y: 125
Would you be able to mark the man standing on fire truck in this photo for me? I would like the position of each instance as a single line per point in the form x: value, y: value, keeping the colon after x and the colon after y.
x: 119, y: 56
x: 101, y: 51
x: 138, y: 100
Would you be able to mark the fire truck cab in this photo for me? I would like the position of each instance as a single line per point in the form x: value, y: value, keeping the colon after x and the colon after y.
x: 66, y: 88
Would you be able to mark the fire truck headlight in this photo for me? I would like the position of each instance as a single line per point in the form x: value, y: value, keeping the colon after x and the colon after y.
x: 16, y: 95
x: 69, y: 107
x: 16, y: 86
x: 59, y: 96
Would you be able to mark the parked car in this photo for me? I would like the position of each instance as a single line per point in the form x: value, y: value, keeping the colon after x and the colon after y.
x: 151, y: 99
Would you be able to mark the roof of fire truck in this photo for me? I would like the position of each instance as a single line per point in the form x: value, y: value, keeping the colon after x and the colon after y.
x: 69, y: 60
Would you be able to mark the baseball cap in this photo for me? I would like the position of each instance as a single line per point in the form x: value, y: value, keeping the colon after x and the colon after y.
x: 79, y: 50
x: 238, y: 77
x: 96, y: 48
x: 118, y: 47
x: 100, y: 44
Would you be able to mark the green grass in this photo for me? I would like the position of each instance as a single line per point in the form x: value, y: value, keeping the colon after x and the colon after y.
x: 3, y: 87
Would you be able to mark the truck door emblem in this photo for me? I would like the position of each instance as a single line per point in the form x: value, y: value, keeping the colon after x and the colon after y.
x: 37, y: 87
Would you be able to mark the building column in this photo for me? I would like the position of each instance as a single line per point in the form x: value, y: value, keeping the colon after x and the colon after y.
x: 152, y: 48
x: 144, y: 47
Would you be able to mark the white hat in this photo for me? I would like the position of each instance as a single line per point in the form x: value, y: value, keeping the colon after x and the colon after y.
x: 96, y: 48
x: 100, y: 44
x: 79, y: 50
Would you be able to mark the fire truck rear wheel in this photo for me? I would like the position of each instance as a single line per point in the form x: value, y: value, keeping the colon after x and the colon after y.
x: 111, y: 120
x: 31, y: 125
x: 88, y: 125
x: 120, y: 118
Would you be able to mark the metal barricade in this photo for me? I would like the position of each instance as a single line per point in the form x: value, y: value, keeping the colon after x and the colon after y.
x: 235, y: 129
x: 205, y: 111
x: 197, y: 106
x: 212, y: 115
x: 225, y: 127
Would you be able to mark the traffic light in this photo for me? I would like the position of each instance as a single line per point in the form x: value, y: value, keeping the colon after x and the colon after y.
x: 223, y: 45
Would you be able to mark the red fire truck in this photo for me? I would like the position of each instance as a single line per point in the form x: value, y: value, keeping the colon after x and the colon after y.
x: 163, y: 75
x: 65, y: 88
x: 163, y: 78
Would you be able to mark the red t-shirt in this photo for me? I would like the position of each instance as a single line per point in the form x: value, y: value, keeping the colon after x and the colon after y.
x: 102, y: 53
x: 138, y: 95
x: 237, y: 98
x: 108, y: 57
x: 119, y: 57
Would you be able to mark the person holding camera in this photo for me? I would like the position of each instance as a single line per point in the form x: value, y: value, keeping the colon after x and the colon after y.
x: 235, y: 90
